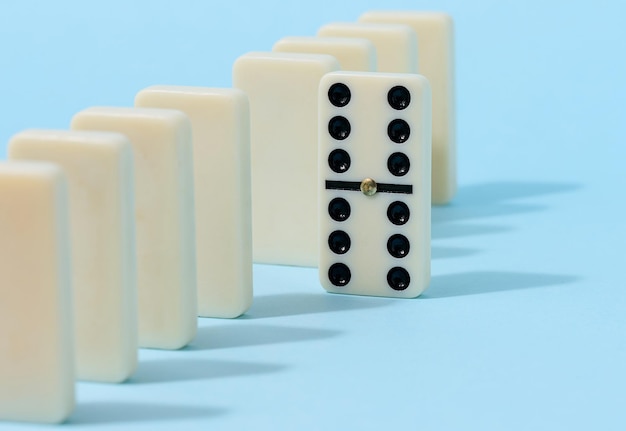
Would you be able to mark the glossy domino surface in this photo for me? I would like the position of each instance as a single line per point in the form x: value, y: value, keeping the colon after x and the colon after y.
x: 99, y: 171
x: 374, y: 179
x: 164, y: 217
x: 36, y: 342
x: 282, y: 89
x: 221, y: 165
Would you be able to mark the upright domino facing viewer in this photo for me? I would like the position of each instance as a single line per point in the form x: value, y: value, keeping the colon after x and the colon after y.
x: 282, y: 89
x: 436, y: 62
x: 374, y: 161
x: 352, y: 53
x: 164, y: 218
x: 221, y: 165
x: 396, y: 44
x: 36, y: 342
x: 99, y: 171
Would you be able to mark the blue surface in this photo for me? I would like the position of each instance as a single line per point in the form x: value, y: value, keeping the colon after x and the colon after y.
x: 524, y: 326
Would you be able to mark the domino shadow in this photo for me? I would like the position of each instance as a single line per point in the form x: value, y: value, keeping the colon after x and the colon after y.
x: 482, y: 282
x: 176, y: 370
x: 245, y: 335
x: 293, y: 304
x: 489, y: 200
x: 456, y: 229
x: 109, y: 412
x: 437, y: 252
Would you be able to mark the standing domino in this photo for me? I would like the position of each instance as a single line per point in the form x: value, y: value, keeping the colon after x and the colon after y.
x: 374, y: 161
x: 221, y: 164
x: 352, y: 53
x: 36, y: 343
x: 282, y: 89
x: 436, y: 62
x: 164, y: 217
x: 99, y: 173
x: 396, y: 44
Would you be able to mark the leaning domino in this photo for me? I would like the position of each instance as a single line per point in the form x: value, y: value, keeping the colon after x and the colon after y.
x: 36, y: 342
x: 221, y: 164
x: 374, y: 174
x: 352, y: 53
x: 396, y: 44
x: 282, y: 89
x: 164, y: 218
x: 99, y: 174
x: 436, y: 62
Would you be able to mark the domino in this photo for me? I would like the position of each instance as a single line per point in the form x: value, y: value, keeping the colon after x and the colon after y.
x: 221, y: 165
x: 36, y: 342
x: 374, y: 173
x: 396, y: 44
x: 282, y: 89
x: 99, y: 172
x: 352, y: 53
x: 164, y: 218
x: 436, y: 62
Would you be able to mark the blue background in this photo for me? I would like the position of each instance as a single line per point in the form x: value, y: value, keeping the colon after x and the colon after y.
x: 524, y: 324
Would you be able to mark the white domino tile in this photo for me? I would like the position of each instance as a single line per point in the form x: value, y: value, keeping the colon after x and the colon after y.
x: 436, y: 62
x: 98, y: 167
x: 396, y: 44
x: 374, y: 240
x: 352, y: 53
x: 282, y: 89
x: 36, y: 342
x: 221, y: 164
x: 164, y: 218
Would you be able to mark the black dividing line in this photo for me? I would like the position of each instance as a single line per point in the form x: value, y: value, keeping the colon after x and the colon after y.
x: 380, y: 187
x: 394, y: 188
x: 343, y: 185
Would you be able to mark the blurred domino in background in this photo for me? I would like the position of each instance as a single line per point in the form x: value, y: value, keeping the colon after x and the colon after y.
x: 436, y: 62
x: 352, y: 53
x: 99, y: 171
x: 282, y: 89
x: 396, y: 44
x: 221, y: 164
x: 374, y: 161
x: 36, y: 341
x: 164, y: 217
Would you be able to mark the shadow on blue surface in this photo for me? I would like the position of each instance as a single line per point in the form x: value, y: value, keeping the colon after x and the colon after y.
x: 437, y: 252
x: 471, y: 283
x: 490, y: 200
x: 175, y: 370
x: 221, y: 337
x: 96, y: 413
x: 454, y: 230
x: 293, y: 304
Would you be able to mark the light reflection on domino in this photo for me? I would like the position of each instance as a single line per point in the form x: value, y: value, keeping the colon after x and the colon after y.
x: 352, y: 53
x: 374, y: 179
x: 436, y: 62
x: 221, y: 157
x: 36, y: 341
x: 164, y: 218
x: 99, y: 171
x: 396, y: 44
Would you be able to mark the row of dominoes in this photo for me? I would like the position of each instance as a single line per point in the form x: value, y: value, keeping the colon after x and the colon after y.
x: 102, y: 225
